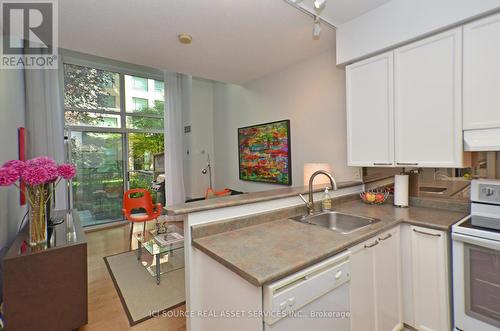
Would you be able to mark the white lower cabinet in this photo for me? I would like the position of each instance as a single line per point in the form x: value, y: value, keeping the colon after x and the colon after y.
x: 363, y: 316
x: 429, y: 266
x: 388, y: 281
x: 376, y: 283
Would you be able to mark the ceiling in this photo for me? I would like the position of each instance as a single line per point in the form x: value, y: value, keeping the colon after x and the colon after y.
x: 233, y: 41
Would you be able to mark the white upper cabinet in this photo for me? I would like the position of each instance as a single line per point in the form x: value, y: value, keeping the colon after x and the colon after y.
x: 370, y: 116
x: 427, y: 102
x: 481, y: 94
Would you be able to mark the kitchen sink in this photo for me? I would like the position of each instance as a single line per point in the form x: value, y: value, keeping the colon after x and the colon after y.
x: 433, y: 189
x: 336, y: 221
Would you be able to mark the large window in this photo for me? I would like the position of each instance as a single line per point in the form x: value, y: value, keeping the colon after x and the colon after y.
x: 116, y: 130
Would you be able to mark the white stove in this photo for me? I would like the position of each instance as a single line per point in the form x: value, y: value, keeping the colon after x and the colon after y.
x: 476, y: 261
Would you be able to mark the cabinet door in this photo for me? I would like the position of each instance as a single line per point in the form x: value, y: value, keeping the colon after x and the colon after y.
x: 482, y: 73
x: 407, y: 275
x: 388, y: 281
x: 363, y: 286
x: 370, y: 116
x: 428, y: 108
x: 430, y: 279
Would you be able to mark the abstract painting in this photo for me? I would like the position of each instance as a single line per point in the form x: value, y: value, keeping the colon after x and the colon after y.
x: 264, y: 153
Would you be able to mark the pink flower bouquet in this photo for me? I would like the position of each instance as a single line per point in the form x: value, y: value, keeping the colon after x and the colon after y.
x: 41, y: 175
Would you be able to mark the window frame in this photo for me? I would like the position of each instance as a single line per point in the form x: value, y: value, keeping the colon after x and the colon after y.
x: 120, y: 68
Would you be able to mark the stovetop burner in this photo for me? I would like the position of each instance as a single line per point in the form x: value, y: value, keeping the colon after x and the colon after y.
x: 468, y: 223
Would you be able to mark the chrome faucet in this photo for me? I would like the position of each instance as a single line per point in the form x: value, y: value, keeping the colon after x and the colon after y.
x: 310, y: 203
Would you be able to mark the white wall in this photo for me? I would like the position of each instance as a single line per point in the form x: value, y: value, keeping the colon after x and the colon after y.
x: 311, y: 94
x: 400, y: 21
x: 11, y: 118
x: 201, y: 138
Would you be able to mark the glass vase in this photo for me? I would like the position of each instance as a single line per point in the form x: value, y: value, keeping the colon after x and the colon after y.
x: 38, y: 215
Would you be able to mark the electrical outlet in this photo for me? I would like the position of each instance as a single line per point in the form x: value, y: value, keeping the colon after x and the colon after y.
x: 358, y: 174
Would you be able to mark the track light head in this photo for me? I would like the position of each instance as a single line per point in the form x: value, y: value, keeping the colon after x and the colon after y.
x: 316, y: 29
x: 319, y: 5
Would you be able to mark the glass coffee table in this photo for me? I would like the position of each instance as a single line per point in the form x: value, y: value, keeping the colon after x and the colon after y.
x: 167, y: 250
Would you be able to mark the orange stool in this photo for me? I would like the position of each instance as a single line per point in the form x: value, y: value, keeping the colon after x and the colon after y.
x: 141, y: 203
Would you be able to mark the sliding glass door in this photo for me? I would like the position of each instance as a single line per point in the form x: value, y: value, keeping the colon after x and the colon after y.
x: 99, y: 182
x: 115, y: 123
x: 143, y: 150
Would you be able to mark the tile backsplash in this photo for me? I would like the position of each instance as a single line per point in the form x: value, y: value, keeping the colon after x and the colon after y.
x: 481, y: 165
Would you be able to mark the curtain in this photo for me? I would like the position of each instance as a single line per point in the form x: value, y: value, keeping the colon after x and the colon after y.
x: 45, y: 119
x: 178, y: 102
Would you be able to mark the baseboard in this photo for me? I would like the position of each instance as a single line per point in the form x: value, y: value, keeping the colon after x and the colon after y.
x: 104, y: 226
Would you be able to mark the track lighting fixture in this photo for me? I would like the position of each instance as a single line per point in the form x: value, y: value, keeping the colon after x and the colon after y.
x: 314, y: 12
x: 316, y: 28
x: 319, y: 5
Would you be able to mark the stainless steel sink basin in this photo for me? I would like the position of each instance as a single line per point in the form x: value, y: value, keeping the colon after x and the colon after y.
x: 433, y: 189
x: 340, y: 222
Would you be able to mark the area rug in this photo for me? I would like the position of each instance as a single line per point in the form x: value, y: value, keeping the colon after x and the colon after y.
x: 138, y: 291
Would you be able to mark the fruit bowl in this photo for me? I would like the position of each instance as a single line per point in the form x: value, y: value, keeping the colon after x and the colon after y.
x: 374, y: 197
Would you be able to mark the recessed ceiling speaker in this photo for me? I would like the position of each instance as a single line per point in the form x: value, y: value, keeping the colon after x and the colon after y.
x: 185, y: 38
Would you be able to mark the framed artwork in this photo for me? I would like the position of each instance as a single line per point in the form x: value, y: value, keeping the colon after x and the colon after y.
x: 264, y: 153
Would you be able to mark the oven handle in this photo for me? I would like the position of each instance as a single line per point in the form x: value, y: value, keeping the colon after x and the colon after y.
x: 492, y: 244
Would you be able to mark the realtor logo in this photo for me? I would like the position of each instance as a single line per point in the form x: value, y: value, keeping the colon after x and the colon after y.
x: 29, y: 38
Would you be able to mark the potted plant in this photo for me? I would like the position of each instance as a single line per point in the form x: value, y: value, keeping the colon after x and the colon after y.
x: 41, y: 175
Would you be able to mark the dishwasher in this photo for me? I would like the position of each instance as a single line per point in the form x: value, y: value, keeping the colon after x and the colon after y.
x: 316, y: 298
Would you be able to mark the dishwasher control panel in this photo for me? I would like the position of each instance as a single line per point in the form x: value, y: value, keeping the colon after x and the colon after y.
x: 296, y: 291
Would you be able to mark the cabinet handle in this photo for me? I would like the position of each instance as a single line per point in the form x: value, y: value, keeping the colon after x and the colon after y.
x: 386, y: 237
x: 407, y: 163
x: 372, y: 245
x: 382, y: 163
x: 429, y: 234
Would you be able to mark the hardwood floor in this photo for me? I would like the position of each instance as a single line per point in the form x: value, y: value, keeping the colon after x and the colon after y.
x: 105, y: 309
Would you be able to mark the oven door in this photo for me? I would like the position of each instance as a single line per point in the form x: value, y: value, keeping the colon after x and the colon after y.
x: 476, y: 283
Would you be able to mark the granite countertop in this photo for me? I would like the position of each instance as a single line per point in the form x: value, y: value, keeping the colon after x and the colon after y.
x: 267, y: 252
x: 246, y: 198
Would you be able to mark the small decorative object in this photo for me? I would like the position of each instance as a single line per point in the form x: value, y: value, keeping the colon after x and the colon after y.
x: 161, y: 227
x: 41, y: 175
x: 374, y: 197
x: 264, y: 153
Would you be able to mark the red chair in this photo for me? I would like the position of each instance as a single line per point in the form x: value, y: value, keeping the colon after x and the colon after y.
x: 139, y: 200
